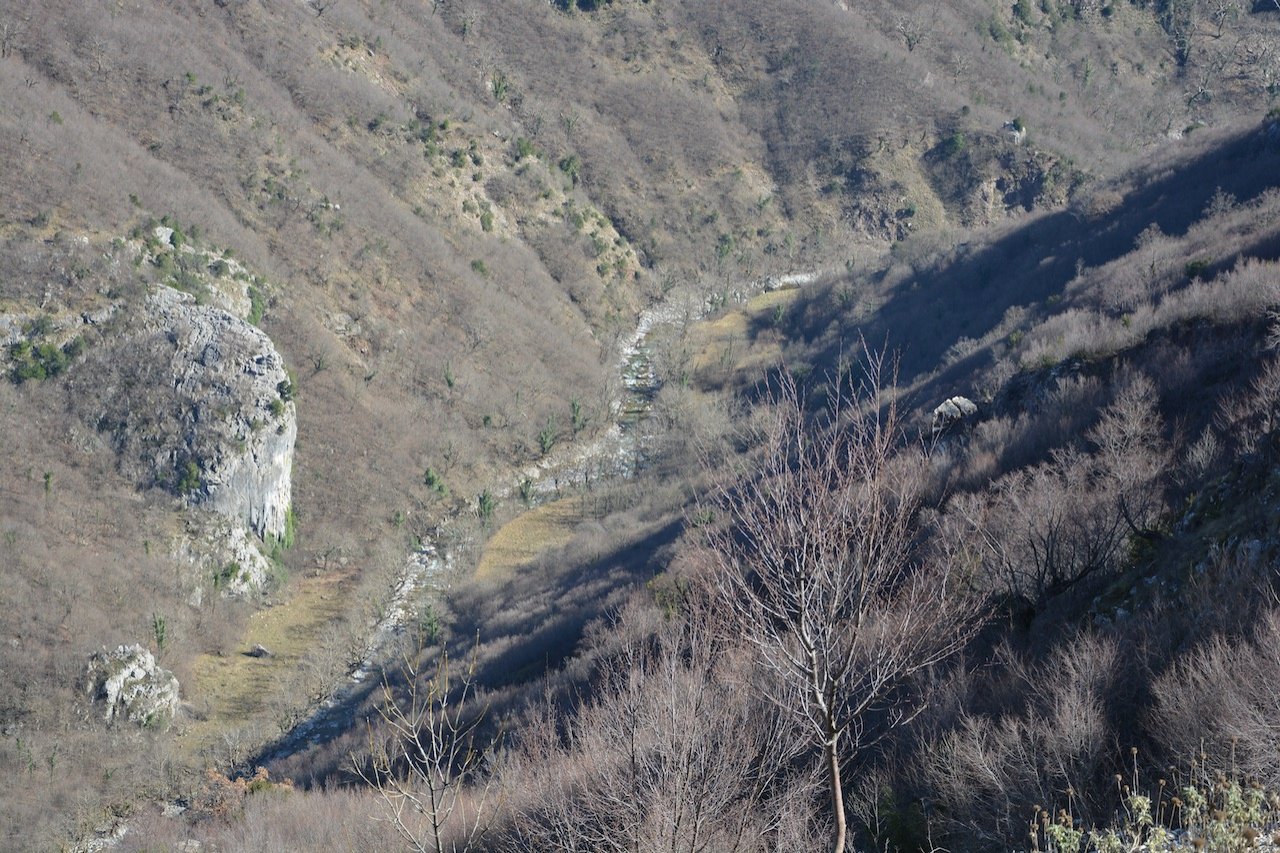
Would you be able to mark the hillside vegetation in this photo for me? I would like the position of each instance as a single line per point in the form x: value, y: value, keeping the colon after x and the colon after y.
x: 424, y: 234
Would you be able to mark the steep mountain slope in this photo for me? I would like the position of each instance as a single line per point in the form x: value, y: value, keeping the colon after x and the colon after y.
x: 429, y: 228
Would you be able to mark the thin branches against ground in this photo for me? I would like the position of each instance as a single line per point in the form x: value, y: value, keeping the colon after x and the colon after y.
x: 1044, y: 530
x: 815, y: 566
x: 674, y: 752
x: 425, y: 759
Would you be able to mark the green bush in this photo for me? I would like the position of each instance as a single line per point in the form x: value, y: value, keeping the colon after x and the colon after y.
x: 257, y: 305
x: 37, y: 361
x: 189, y: 480
x: 571, y: 166
x: 998, y: 32
x: 228, y: 574
x: 547, y: 436
x: 724, y: 246
x: 435, y: 482
x: 39, y: 327
x: 1196, y: 268
x: 277, y: 545
x: 485, y: 506
x: 954, y: 144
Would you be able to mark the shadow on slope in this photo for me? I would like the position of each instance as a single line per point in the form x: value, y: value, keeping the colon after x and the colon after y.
x: 530, y: 624
x: 966, y: 296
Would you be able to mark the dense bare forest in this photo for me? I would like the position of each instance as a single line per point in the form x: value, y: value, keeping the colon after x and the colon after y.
x: 633, y: 425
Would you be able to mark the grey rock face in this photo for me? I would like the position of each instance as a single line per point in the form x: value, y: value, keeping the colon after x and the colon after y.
x: 197, y: 401
x: 11, y: 328
x: 951, y: 411
x: 237, y: 384
x: 221, y: 549
x: 131, y: 686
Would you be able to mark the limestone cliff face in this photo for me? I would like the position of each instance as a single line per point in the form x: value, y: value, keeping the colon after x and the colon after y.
x: 242, y: 423
x: 198, y: 402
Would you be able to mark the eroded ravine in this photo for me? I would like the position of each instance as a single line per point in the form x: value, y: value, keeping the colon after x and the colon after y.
x: 617, y: 451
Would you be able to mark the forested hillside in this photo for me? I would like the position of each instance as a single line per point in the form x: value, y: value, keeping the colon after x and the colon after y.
x: 636, y: 424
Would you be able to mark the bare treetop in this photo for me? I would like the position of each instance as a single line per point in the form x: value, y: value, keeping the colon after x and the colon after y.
x: 815, y: 567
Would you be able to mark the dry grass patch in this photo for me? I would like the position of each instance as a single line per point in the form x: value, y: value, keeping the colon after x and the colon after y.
x: 233, y: 690
x: 521, y: 540
x: 741, y: 340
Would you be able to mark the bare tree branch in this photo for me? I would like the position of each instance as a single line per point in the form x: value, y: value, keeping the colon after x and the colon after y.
x: 815, y: 565
x: 425, y: 761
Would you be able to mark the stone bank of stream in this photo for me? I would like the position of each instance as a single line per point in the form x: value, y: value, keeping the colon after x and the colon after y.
x: 616, y: 452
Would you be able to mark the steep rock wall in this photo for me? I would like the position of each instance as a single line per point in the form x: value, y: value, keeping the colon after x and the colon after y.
x: 198, y: 402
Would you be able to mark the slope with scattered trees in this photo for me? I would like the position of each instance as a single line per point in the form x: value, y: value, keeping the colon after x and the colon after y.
x: 445, y: 217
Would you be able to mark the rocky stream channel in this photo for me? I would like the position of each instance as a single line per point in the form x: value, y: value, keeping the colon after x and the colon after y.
x: 616, y: 452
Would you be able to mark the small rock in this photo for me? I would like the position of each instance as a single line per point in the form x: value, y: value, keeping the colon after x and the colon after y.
x: 260, y: 651
x: 98, y: 317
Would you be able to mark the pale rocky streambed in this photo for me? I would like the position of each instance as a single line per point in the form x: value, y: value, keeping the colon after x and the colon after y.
x: 616, y: 452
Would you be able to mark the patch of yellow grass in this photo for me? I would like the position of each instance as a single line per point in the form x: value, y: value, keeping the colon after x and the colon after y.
x: 522, y: 539
x: 725, y: 345
x: 234, y: 690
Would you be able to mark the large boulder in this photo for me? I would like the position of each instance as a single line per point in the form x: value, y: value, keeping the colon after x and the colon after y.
x: 953, y: 411
x: 197, y: 401
x: 130, y: 686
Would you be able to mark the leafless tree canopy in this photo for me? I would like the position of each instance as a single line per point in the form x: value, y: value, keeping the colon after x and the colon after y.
x: 814, y: 563
x: 424, y: 759
x: 676, y: 752
x: 1046, y: 528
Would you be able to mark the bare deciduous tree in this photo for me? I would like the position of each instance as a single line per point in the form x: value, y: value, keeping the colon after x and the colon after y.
x: 1049, y: 527
x: 816, y: 568
x: 426, y: 761
x: 676, y: 752
x: 11, y: 37
x: 1222, y: 701
x: 912, y: 29
x: 1179, y: 18
x: 988, y: 772
x: 1221, y: 12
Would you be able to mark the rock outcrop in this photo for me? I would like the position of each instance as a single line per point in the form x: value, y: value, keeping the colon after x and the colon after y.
x: 131, y: 686
x: 197, y: 401
x: 223, y: 554
x: 953, y: 411
x: 242, y: 412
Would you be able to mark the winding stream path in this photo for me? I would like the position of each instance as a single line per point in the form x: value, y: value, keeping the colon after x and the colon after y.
x: 617, y: 452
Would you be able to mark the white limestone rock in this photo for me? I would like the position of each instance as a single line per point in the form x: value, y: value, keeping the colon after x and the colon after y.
x: 951, y: 411
x: 197, y: 401
x: 243, y: 411
x: 131, y: 686
x: 11, y: 328
x: 223, y: 555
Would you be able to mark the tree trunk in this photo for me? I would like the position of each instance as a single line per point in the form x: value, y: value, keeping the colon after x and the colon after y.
x: 837, y: 794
